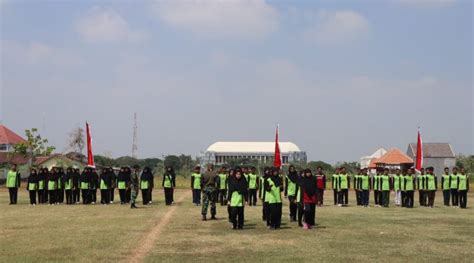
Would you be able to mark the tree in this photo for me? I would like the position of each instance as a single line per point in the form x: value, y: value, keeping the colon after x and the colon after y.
x: 351, y: 167
x: 34, y: 146
x: 466, y: 162
x: 173, y: 161
x: 327, y: 168
x: 76, y: 140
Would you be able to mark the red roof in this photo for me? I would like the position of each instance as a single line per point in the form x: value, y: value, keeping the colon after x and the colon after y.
x: 9, y: 137
x: 12, y: 158
x: 373, y: 163
x: 394, y: 156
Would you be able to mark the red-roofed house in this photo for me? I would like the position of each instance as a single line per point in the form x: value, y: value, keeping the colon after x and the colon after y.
x: 394, y: 159
x: 8, y: 138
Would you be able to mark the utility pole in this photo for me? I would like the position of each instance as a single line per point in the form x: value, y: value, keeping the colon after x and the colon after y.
x: 135, y: 135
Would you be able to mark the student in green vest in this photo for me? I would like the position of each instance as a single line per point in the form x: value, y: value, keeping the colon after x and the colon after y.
x: 76, y: 188
x: 364, y: 186
x: 397, y: 187
x: 230, y: 176
x: 113, y: 185
x: 343, y: 187
x: 60, y: 188
x: 446, y: 186
x: 52, y: 186
x: 169, y: 183
x: 377, y: 188
x: 41, y: 186
x: 463, y: 186
x: 123, y: 182
x: 222, y: 182
x: 402, y: 187
x: 421, y: 185
x: 253, y: 185
x: 68, y: 185
x: 273, y: 186
x: 291, y: 183
x: 409, y: 186
x: 32, y: 186
x: 334, y: 182
x: 454, y: 187
x: 265, y: 206
x: 13, y: 183
x: 431, y: 186
x: 94, y: 185
x: 196, y: 185
x: 385, y: 187
x: 146, y: 184
x: 237, y: 198
x: 104, y: 185
x: 299, y: 203
x: 357, y: 191
x: 84, y: 181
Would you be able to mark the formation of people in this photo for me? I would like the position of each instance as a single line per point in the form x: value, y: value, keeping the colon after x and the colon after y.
x: 238, y: 187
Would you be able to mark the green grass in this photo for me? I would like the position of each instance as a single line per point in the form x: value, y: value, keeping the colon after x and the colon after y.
x: 109, y: 233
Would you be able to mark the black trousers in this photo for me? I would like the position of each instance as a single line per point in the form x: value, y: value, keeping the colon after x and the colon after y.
x: 404, y: 196
x: 454, y: 197
x: 309, y: 214
x: 105, y: 196
x: 223, y: 197
x: 252, y: 197
x: 146, y: 196
x: 41, y: 196
x: 357, y: 192
x: 364, y: 197
x: 93, y: 195
x: 275, y: 215
x: 123, y: 196
x: 431, y: 197
x: 385, y: 198
x: 335, y: 197
x: 112, y: 194
x: 267, y: 213
x: 320, y: 196
x: 376, y: 197
x: 13, y: 192
x: 52, y: 196
x: 343, y: 196
x: 446, y: 195
x: 463, y: 198
x: 76, y: 196
x: 410, y: 199
x: 168, y: 196
x: 128, y: 195
x: 59, y: 196
x: 32, y: 197
x: 300, y: 212
x: 85, y: 196
x: 237, y: 216
x: 229, y: 213
x: 293, y: 207
x: 422, y: 197
x: 197, y: 196
x: 46, y: 195
x: 69, y: 200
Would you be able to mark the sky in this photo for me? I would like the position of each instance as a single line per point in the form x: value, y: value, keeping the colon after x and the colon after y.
x: 342, y: 78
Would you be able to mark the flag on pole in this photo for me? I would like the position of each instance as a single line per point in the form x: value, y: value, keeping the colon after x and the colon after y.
x: 90, y: 156
x: 277, y: 157
x: 419, y: 153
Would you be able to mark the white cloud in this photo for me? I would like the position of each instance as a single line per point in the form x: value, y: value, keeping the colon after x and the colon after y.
x: 426, y: 3
x: 37, y: 53
x: 236, y: 19
x: 336, y: 27
x: 104, y: 25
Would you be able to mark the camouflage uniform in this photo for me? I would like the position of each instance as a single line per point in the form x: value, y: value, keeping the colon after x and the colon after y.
x: 134, y: 186
x: 209, y: 194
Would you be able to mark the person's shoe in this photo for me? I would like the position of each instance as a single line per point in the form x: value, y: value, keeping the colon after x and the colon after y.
x: 213, y: 217
x: 204, y: 218
x: 305, y: 226
x: 133, y: 206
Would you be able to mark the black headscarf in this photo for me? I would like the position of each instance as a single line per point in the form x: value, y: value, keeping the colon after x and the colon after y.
x: 147, y: 175
x: 308, y: 184
x: 238, y: 185
x: 292, y: 175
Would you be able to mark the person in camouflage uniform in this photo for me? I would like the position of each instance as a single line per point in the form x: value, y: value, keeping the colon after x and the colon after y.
x: 209, y: 184
x: 134, y: 185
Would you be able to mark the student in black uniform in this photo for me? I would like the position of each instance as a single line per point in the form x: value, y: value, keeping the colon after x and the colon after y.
x: 265, y: 208
x: 60, y: 189
x: 68, y: 185
x: 230, y: 176
x: 146, y: 184
x: 32, y: 186
x: 274, y: 187
x: 128, y: 176
x: 169, y: 183
x: 104, y: 185
x: 94, y: 184
x: 237, y: 198
x: 291, y: 182
x: 76, y: 189
x: 41, y: 186
x: 113, y: 184
x: 46, y: 191
x: 122, y: 185
x: 52, y: 186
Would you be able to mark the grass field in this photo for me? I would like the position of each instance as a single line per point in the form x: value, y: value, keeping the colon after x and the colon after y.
x: 175, y: 234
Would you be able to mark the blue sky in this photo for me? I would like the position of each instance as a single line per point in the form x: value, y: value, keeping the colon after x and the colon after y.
x: 341, y: 77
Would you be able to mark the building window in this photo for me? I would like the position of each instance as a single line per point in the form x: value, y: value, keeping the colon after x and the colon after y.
x: 3, y: 147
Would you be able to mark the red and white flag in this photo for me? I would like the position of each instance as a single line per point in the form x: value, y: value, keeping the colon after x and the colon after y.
x: 90, y: 156
x: 419, y: 153
x: 277, y: 157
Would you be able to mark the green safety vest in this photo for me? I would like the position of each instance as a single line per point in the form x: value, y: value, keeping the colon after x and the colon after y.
x: 291, y: 188
x: 385, y: 182
x: 11, y: 179
x: 431, y: 183
x: 273, y: 196
x: 68, y: 184
x: 41, y: 185
x: 59, y: 185
x: 335, y: 181
x: 454, y: 181
x: 103, y: 186
x: 365, y: 185
x: 122, y: 185
x: 409, y: 185
x: 344, y: 181
x: 31, y: 186
x: 376, y: 182
x: 446, y: 182
x: 397, y: 182
x: 252, y: 180
x: 144, y: 185
x: 51, y: 185
x: 84, y: 185
x: 236, y: 200
x: 222, y: 181
x: 421, y: 182
x: 462, y: 181
x: 167, y: 183
x: 197, y: 181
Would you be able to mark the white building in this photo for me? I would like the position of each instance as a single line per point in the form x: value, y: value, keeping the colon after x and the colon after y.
x: 365, y: 161
x: 221, y: 152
